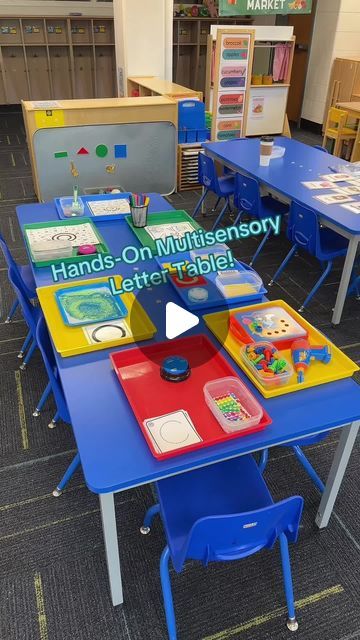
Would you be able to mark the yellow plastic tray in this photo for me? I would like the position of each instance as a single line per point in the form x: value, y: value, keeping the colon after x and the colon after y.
x: 318, y: 373
x: 72, y: 341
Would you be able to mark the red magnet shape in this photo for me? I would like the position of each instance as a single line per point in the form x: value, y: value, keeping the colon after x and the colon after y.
x: 83, y: 152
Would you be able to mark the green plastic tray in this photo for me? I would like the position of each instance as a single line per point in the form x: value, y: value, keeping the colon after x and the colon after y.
x: 101, y: 248
x: 159, y: 218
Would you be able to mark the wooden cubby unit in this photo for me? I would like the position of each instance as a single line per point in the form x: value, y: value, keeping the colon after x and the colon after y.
x: 56, y: 58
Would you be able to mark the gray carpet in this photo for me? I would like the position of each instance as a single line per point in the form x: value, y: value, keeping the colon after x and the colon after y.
x: 53, y: 579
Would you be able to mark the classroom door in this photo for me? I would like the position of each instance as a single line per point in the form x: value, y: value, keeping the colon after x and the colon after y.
x: 303, y: 27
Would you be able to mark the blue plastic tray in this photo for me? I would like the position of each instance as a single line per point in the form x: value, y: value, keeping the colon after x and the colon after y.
x: 215, y: 298
x: 94, y: 198
x: 114, y: 308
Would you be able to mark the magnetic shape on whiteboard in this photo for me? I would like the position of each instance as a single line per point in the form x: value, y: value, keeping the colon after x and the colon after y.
x: 110, y: 168
x: 60, y: 154
x: 120, y: 150
x: 178, y: 320
x: 82, y: 152
x: 101, y: 150
x: 74, y: 170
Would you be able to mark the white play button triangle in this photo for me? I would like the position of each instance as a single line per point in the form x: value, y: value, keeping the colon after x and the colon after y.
x: 178, y: 320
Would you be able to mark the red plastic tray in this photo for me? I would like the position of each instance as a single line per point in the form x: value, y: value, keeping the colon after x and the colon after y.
x: 150, y: 395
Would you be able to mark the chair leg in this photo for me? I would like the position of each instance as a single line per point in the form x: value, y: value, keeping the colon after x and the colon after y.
x: 53, y: 422
x: 216, y: 206
x: 283, y: 264
x: 317, y: 285
x: 218, y: 219
x: 308, y: 468
x: 263, y: 460
x: 167, y: 594
x: 198, y: 206
x: 292, y: 624
x: 149, y: 516
x: 28, y: 356
x: 42, y: 400
x: 12, y: 311
x: 238, y: 218
x: 67, y: 476
x: 25, y: 345
x: 260, y: 247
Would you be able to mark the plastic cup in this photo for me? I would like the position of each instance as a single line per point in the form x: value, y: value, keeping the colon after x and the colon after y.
x: 266, y: 147
x: 139, y: 215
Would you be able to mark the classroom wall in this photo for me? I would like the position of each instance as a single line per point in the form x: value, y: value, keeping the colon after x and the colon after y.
x: 336, y: 35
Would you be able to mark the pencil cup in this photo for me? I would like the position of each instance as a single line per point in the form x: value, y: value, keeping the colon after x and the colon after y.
x: 139, y: 215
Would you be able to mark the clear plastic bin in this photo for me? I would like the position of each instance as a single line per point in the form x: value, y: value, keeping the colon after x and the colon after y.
x: 267, y: 380
x: 53, y: 250
x: 66, y: 204
x: 215, y: 250
x: 271, y: 324
x: 220, y: 390
x: 238, y: 283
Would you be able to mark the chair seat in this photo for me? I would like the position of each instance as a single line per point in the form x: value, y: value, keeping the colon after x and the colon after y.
x: 28, y: 279
x: 234, y: 486
x: 346, y: 131
x: 227, y: 185
x: 332, y: 245
x: 272, y: 207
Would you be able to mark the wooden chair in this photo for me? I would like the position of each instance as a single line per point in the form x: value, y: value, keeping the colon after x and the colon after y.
x: 337, y: 130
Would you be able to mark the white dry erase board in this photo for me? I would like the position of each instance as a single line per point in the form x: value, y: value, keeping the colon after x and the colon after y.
x: 149, y: 165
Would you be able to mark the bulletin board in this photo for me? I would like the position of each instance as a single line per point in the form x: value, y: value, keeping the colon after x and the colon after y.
x: 233, y: 67
x: 148, y: 163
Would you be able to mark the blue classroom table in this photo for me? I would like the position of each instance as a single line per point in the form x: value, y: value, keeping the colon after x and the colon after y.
x: 301, y: 163
x: 114, y: 454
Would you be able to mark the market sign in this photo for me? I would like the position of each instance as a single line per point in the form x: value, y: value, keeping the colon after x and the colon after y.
x: 261, y: 7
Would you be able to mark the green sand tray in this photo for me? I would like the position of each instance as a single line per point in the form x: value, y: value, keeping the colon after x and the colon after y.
x: 102, y: 247
x: 153, y: 219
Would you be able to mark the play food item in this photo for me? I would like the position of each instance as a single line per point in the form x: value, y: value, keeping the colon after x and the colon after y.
x: 267, y: 364
x: 266, y: 147
x: 267, y: 80
x: 175, y: 369
x: 256, y: 79
x: 232, y: 404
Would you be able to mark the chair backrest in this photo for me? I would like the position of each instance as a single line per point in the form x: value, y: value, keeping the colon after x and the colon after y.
x: 336, y: 117
x: 247, y: 195
x: 320, y: 148
x: 29, y: 311
x: 303, y: 227
x: 231, y: 537
x: 191, y: 114
x: 7, y: 255
x: 207, y: 173
x: 47, y: 352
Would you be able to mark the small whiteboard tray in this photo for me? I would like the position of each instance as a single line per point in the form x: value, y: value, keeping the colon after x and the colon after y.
x: 93, y: 204
x: 167, y: 406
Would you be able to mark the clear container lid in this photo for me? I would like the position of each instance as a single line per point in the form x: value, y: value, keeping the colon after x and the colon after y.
x: 232, y: 404
x: 216, y: 250
x: 271, y: 324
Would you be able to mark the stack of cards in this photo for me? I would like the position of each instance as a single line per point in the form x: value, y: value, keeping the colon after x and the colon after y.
x: 172, y: 431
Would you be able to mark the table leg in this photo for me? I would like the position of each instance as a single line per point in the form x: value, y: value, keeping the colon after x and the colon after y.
x: 345, y: 279
x: 336, y: 474
x: 107, y: 507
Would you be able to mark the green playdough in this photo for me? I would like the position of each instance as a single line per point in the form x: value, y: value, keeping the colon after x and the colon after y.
x: 92, y: 306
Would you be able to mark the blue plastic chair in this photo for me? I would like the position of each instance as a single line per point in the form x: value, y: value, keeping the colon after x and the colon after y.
x: 47, y: 352
x: 223, y: 186
x: 320, y: 148
x: 248, y: 200
x: 27, y: 283
x: 304, y: 232
x: 219, y: 513
x: 296, y: 447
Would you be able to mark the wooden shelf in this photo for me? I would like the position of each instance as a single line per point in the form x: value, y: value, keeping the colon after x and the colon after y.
x: 269, y: 86
x: 55, y: 65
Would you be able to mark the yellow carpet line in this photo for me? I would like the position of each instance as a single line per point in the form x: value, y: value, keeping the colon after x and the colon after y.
x: 9, y: 536
x: 40, y: 605
x: 21, y: 503
x: 22, y: 418
x: 12, y: 159
x: 12, y: 340
x: 266, y: 617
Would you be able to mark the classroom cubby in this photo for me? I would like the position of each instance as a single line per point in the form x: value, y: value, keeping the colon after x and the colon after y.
x: 56, y: 58
x: 60, y: 72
